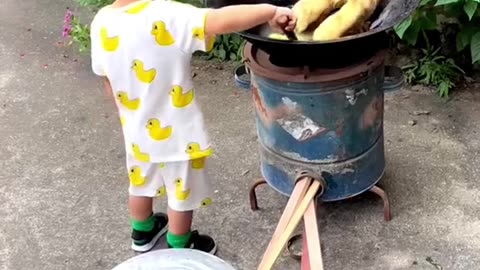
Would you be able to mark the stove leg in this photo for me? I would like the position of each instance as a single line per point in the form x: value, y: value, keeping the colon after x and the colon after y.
x: 253, y: 194
x: 386, y: 203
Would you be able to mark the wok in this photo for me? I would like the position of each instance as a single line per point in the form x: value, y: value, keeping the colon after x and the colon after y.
x: 340, y: 51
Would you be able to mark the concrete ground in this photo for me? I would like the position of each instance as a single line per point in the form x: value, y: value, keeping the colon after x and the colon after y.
x: 63, y: 183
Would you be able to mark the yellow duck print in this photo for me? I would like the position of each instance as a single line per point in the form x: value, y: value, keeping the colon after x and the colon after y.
x: 138, y: 155
x: 199, y: 33
x: 146, y: 76
x: 138, y: 8
x: 122, y: 120
x: 162, y: 165
x: 136, y: 177
x: 197, y: 155
x: 162, y: 191
x: 180, y: 99
x: 131, y: 104
x: 157, y: 132
x: 180, y: 194
x: 206, y: 202
x: 161, y: 34
x: 194, y: 151
x: 109, y: 44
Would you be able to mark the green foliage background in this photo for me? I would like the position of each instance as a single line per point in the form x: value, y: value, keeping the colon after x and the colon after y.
x: 437, y: 64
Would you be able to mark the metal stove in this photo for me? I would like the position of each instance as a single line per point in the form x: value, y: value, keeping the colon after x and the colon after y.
x: 319, y: 118
x: 324, y: 121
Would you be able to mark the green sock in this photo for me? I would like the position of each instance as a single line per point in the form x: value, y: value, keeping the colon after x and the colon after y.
x: 143, y: 225
x: 178, y: 241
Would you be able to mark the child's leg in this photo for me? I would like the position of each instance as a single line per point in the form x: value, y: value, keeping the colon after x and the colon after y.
x: 141, y: 208
x: 179, y: 231
x: 181, y: 222
x: 145, y: 183
x: 188, y: 189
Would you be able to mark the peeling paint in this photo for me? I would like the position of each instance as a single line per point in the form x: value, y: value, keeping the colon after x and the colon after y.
x: 347, y: 170
x: 300, y: 127
x: 373, y: 114
x: 290, y: 103
x: 352, y: 95
x: 297, y: 156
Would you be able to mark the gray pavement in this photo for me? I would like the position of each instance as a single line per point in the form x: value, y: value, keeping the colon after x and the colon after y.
x: 63, y: 186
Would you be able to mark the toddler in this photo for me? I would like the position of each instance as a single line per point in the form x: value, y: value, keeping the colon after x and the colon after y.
x: 143, y: 50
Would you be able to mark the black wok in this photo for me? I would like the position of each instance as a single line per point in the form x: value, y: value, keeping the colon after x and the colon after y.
x: 336, y: 52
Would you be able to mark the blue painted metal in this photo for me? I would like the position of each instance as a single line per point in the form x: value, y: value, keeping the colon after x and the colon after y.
x: 344, y: 179
x: 394, y: 78
x: 332, y: 128
x: 242, y: 78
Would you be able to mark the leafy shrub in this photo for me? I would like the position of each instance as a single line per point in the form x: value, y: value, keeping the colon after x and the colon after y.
x: 433, y: 69
x: 226, y: 48
x: 95, y: 4
x: 431, y: 14
x: 78, y: 32
x: 438, y: 16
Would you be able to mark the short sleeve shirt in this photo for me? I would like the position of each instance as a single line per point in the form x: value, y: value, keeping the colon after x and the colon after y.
x: 145, y: 50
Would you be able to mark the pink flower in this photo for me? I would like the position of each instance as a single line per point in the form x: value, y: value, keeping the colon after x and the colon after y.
x: 67, y: 26
x: 66, y: 31
x: 68, y: 16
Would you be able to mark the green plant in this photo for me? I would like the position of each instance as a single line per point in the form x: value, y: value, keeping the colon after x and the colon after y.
x: 96, y: 4
x: 80, y: 34
x: 226, y: 47
x: 434, y: 16
x: 433, y: 69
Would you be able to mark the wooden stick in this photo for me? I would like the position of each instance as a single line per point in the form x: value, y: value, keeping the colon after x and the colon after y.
x: 305, y: 265
x: 269, y: 260
x: 313, y: 237
x: 298, y: 193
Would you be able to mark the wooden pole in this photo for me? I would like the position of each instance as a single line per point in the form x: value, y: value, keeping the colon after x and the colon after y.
x: 305, y: 265
x: 312, y: 237
x: 269, y: 260
x: 297, y: 195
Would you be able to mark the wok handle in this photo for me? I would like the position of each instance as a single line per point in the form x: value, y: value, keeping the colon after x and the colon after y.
x: 393, y: 78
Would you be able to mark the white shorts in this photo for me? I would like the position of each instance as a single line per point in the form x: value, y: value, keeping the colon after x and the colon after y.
x: 184, y: 183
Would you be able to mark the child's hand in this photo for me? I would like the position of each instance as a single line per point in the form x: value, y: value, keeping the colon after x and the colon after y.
x: 284, y: 19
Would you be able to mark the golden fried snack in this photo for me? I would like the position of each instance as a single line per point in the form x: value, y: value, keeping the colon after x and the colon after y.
x: 310, y: 11
x: 350, y: 18
x: 352, y: 14
x: 278, y: 36
x: 305, y: 36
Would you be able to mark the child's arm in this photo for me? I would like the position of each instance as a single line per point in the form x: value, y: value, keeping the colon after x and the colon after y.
x: 196, y: 28
x: 108, y: 87
x: 236, y: 18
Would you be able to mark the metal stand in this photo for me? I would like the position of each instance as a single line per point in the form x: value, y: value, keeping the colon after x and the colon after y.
x: 253, y: 194
x: 310, y: 236
x: 375, y: 189
x: 386, y: 203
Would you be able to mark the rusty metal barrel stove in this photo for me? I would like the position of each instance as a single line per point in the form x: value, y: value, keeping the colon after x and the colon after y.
x: 326, y: 120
